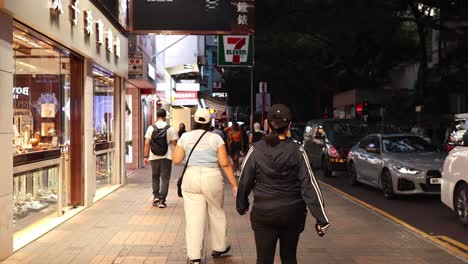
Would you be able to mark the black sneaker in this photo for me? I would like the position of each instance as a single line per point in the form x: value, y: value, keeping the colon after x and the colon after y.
x: 162, y: 204
x: 220, y: 253
x: 156, y: 202
x: 193, y: 261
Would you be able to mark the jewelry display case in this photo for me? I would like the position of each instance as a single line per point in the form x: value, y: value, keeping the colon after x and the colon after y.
x: 104, y: 168
x: 35, y: 195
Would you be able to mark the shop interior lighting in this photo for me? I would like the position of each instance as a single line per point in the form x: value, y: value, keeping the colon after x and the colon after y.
x: 27, y: 65
x: 98, y: 73
x: 27, y: 41
x: 51, y: 51
x: 203, y: 103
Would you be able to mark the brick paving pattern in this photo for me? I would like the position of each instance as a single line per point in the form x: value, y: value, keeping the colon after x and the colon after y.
x: 125, y: 228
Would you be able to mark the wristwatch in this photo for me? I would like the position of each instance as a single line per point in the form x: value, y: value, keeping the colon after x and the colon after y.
x: 145, y: 157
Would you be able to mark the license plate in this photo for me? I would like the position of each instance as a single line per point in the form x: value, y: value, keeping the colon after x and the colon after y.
x: 435, y: 180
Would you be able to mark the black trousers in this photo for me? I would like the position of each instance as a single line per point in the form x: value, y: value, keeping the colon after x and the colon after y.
x: 284, y: 224
x: 161, y: 175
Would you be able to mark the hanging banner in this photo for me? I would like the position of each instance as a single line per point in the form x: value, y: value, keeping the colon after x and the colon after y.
x: 235, y: 50
x: 192, y: 16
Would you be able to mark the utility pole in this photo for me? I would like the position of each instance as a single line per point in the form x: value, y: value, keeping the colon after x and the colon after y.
x: 263, y: 105
x: 251, y: 97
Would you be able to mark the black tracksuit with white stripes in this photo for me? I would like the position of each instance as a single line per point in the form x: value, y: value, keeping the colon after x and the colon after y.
x: 283, y: 185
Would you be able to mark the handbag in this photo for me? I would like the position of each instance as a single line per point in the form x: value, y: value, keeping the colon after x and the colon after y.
x: 179, y: 181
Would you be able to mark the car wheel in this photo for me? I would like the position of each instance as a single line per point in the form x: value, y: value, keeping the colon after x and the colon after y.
x: 352, y: 176
x: 461, y: 204
x: 387, y: 186
x: 325, y: 167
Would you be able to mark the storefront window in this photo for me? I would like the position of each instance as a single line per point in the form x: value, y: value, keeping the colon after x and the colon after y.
x: 104, y: 118
x: 103, y: 106
x: 41, y: 125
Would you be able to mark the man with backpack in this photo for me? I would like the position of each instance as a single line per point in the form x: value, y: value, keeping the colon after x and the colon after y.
x: 160, y: 138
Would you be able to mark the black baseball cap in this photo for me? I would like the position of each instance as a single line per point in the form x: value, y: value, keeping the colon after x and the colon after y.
x: 279, y: 116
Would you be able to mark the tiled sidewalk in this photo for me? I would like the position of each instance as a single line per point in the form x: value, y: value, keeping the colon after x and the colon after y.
x: 125, y: 228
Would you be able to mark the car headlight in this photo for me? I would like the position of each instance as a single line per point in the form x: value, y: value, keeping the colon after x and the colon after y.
x: 406, y: 170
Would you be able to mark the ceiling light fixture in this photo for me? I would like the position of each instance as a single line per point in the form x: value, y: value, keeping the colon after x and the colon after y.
x: 27, y: 65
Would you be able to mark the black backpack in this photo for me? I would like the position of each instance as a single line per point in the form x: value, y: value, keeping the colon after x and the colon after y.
x: 159, y: 145
x: 257, y: 136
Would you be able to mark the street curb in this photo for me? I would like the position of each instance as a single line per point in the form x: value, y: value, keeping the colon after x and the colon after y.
x: 452, y: 247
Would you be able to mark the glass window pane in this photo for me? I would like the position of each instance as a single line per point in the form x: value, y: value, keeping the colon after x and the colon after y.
x: 41, y: 123
x: 103, y: 106
x: 39, y: 95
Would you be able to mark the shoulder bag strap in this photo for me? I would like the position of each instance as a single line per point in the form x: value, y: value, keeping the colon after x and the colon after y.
x: 188, y: 158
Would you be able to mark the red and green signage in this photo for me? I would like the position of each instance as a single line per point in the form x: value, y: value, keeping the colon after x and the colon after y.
x: 235, y: 50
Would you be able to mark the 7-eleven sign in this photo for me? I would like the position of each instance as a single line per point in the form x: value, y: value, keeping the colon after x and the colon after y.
x: 235, y: 51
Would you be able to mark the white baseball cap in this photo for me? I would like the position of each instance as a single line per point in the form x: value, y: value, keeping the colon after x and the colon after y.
x: 202, y: 116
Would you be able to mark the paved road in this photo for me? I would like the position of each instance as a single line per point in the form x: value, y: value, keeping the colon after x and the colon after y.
x: 426, y: 213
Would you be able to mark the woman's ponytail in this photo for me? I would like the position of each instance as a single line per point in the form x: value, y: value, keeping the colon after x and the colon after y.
x: 272, y: 139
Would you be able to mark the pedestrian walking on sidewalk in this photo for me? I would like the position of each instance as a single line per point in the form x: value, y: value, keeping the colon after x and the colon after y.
x: 203, y: 186
x: 235, y: 143
x: 181, y: 129
x: 256, y: 135
x: 278, y: 171
x: 219, y: 131
x: 160, y: 138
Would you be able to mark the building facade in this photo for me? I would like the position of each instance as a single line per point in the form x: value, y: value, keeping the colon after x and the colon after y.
x: 63, y: 67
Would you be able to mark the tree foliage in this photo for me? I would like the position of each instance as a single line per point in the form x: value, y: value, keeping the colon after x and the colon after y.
x: 308, y: 49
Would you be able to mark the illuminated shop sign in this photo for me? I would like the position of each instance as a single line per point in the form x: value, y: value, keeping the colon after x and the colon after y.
x: 88, y: 22
x: 102, y: 35
x: 222, y: 95
x: 187, y: 86
x: 76, y: 12
x: 17, y: 91
x: 235, y: 50
x: 185, y: 98
x: 56, y: 5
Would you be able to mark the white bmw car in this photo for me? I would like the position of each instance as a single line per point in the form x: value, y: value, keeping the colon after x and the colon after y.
x: 454, y: 186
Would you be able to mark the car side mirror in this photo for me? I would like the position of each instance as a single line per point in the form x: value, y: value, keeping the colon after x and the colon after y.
x: 372, y: 150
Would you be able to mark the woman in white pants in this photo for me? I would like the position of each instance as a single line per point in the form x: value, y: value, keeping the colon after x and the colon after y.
x: 203, y: 187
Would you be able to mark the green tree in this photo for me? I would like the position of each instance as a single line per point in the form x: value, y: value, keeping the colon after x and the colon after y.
x: 308, y: 49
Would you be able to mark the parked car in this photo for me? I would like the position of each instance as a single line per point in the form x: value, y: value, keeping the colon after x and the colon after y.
x: 458, y: 133
x: 327, y: 142
x: 454, y: 187
x: 398, y: 164
x: 297, y: 132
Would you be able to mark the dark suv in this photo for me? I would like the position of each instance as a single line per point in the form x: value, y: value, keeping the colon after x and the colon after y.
x: 327, y: 142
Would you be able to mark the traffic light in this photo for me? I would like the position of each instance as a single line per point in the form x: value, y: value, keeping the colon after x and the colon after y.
x: 365, y: 108
x: 362, y: 109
